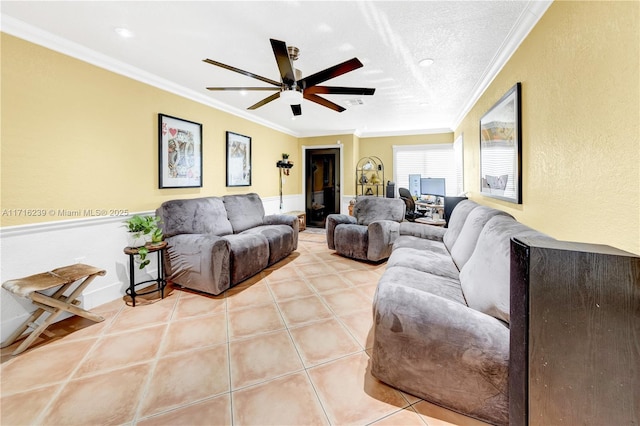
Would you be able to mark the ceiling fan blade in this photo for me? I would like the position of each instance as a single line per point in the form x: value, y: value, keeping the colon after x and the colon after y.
x: 243, y: 72
x: 284, y: 62
x: 243, y: 88
x: 331, y: 90
x: 296, y: 109
x: 330, y: 73
x: 265, y: 101
x: 322, y: 101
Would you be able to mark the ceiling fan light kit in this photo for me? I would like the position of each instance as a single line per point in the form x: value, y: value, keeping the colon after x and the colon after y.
x: 292, y: 88
x: 291, y: 96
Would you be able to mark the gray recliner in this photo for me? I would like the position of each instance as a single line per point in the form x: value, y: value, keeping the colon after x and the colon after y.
x: 218, y: 242
x: 368, y: 234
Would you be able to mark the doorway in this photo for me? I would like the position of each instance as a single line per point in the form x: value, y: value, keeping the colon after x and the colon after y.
x: 322, y: 185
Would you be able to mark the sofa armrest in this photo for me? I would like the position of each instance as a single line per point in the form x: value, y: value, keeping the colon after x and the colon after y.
x: 334, y: 220
x: 282, y: 219
x: 440, y: 350
x: 199, y: 262
x: 285, y: 219
x: 382, y: 235
x: 426, y: 232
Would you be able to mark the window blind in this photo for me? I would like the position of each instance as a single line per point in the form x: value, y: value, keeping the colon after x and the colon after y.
x: 434, y: 161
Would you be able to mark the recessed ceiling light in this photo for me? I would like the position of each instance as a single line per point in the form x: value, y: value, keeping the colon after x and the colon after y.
x: 123, y: 32
x: 346, y: 47
x: 354, y: 102
x: 325, y: 28
x: 426, y: 62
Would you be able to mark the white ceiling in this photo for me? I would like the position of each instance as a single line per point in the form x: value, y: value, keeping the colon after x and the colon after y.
x: 469, y: 42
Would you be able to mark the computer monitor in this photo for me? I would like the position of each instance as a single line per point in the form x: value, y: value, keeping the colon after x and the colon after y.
x: 432, y: 186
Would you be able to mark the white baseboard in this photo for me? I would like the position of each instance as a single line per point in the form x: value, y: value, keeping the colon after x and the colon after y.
x: 36, y: 248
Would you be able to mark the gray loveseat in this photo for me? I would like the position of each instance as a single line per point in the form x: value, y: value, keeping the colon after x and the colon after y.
x: 217, y: 242
x: 368, y: 234
x: 441, y: 312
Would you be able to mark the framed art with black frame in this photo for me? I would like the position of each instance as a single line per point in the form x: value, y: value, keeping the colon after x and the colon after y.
x: 501, y: 149
x: 180, y: 152
x: 238, y: 160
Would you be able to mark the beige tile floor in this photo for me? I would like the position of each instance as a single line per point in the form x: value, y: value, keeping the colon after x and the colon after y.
x: 287, y: 347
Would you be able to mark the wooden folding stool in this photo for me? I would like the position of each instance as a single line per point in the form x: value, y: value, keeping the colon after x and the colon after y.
x: 30, y: 287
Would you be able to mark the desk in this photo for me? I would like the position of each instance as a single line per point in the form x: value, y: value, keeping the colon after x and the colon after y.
x: 429, y: 221
x: 161, y: 281
x: 438, y: 208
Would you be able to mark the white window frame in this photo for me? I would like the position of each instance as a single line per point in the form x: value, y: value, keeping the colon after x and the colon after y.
x: 455, y: 177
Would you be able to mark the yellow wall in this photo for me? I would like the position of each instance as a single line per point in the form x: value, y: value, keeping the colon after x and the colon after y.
x: 581, y: 124
x: 75, y: 136
x: 382, y: 147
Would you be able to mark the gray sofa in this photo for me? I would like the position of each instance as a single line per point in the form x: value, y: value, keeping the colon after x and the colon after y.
x: 217, y: 242
x: 441, y: 312
x: 368, y: 234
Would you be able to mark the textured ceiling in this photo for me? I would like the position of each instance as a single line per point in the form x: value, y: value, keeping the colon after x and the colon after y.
x: 468, y: 42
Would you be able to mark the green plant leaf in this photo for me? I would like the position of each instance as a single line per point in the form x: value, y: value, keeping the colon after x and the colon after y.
x: 142, y: 257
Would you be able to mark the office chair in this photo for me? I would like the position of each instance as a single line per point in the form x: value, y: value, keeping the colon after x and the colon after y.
x: 410, y: 213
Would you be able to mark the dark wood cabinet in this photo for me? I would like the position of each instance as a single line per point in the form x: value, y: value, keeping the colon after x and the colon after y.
x: 575, y: 334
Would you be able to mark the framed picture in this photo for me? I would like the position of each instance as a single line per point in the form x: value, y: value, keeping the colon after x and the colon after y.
x: 501, y: 149
x: 238, y: 160
x: 180, y: 152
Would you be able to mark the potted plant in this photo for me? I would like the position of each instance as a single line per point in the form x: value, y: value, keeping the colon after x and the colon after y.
x: 143, y: 230
x: 285, y: 157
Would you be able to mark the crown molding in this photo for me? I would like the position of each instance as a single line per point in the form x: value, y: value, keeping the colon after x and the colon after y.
x: 412, y: 132
x: 523, y: 26
x: 20, y: 29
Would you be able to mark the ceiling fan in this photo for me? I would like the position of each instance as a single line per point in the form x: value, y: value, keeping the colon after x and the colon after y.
x: 292, y: 87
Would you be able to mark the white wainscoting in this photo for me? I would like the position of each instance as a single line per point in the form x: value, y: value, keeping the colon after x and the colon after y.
x: 31, y: 249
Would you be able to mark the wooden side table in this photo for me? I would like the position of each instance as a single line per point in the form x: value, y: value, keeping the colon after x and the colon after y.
x: 302, y: 219
x: 31, y: 287
x: 160, y: 281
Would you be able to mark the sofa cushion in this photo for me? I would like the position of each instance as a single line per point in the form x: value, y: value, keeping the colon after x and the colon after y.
x: 369, y: 209
x: 194, y: 216
x: 244, y: 211
x: 485, y: 277
x: 280, y: 239
x: 456, y: 222
x: 466, y: 241
x: 419, y: 230
x: 409, y: 241
x: 433, y: 262
x: 407, y: 277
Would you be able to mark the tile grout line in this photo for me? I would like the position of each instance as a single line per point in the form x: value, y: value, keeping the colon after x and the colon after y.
x: 148, y: 388
x: 63, y: 384
x: 304, y: 368
x: 153, y: 365
x: 226, y: 318
x: 350, y: 285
